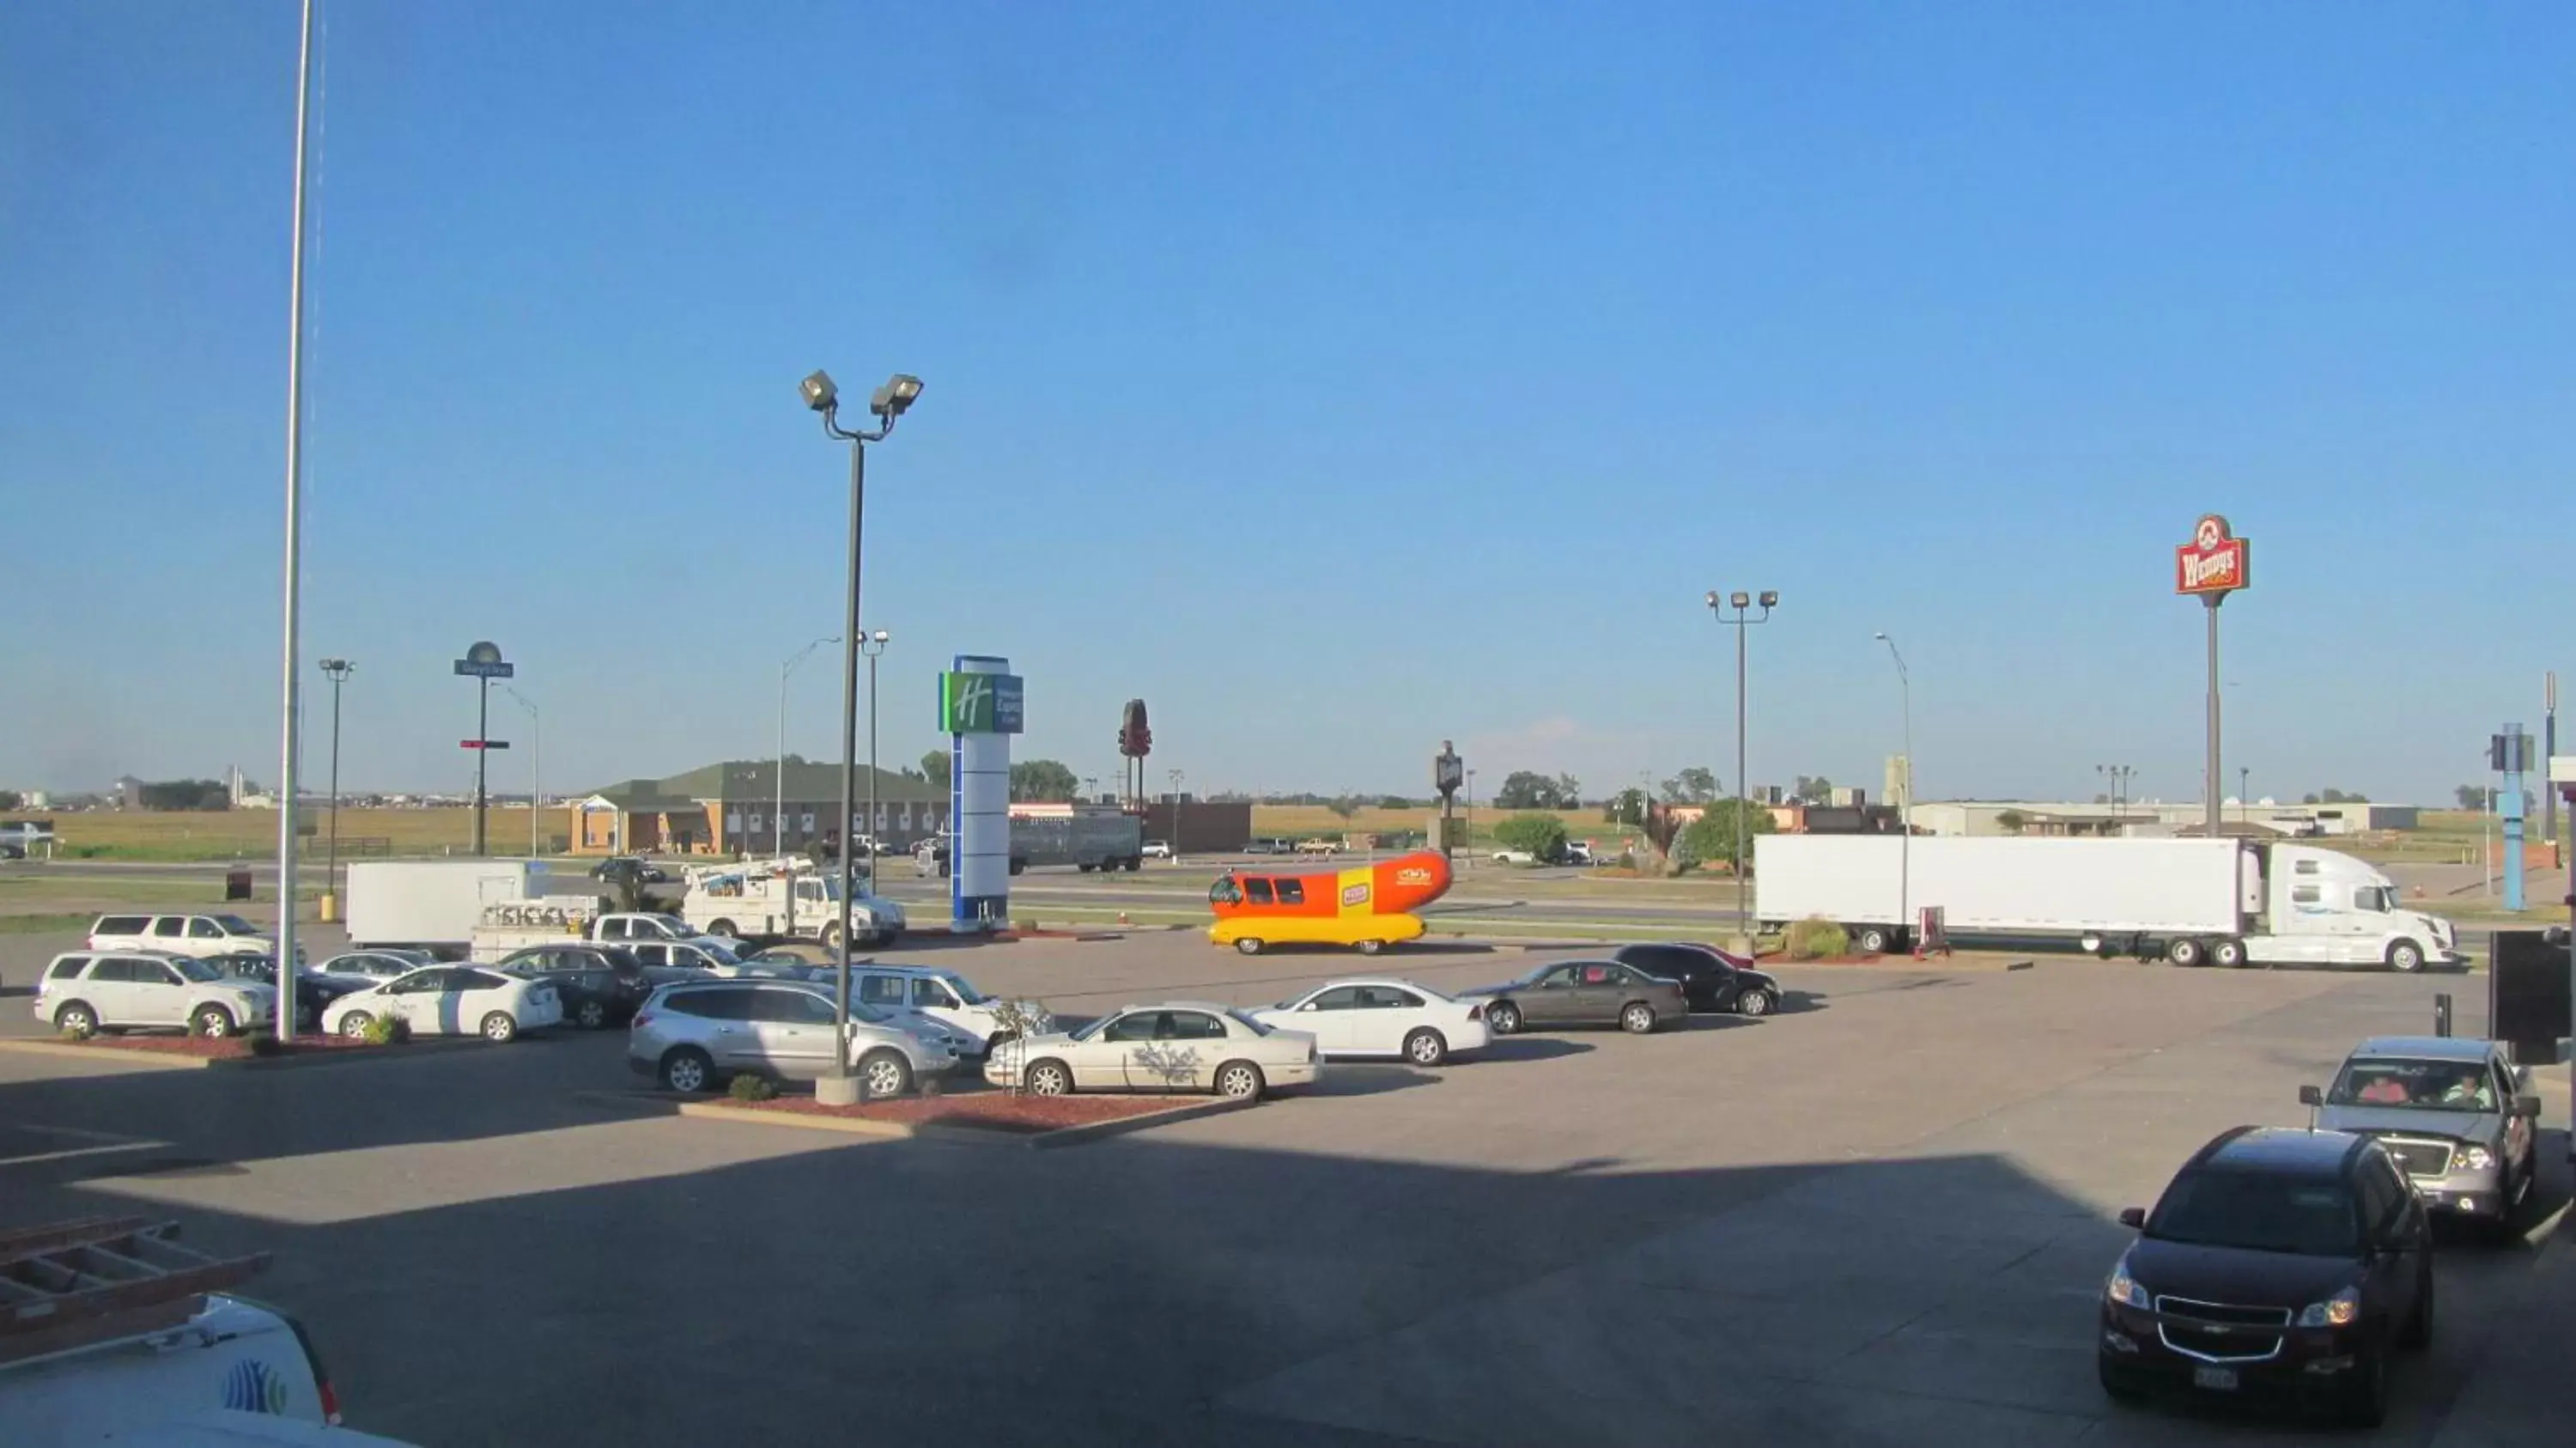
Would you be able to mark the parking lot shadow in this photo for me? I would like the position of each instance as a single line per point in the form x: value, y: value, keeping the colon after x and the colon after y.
x: 1365, y: 1078
x: 1533, y: 1048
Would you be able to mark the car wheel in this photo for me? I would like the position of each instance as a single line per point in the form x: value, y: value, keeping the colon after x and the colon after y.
x: 1637, y: 1018
x: 1503, y: 1018
x: 722, y: 929
x: 1248, y: 945
x: 2116, y: 1385
x: 687, y: 1071
x: 355, y: 1023
x: 1871, y: 940
x: 1239, y: 1081
x: 2405, y: 957
x: 2366, y: 1402
x: 2185, y: 952
x: 2228, y: 954
x: 500, y: 1028
x: 591, y: 1016
x: 1426, y: 1047
x: 2418, y: 1332
x: 2093, y: 945
x: 1755, y: 1003
x: 1049, y: 1078
x: 212, y: 1022
x: 884, y: 1075
x: 76, y: 1019
x: 830, y: 938
x: 1371, y: 947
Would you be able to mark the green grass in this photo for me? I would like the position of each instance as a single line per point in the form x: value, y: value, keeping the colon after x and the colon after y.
x: 43, y: 924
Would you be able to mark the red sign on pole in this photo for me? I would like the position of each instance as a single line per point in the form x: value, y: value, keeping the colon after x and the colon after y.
x: 483, y: 744
x: 2213, y: 562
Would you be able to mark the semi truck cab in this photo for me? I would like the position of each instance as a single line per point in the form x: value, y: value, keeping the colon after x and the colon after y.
x: 2319, y: 907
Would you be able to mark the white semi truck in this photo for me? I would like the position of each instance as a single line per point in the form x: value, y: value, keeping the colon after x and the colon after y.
x: 2192, y: 902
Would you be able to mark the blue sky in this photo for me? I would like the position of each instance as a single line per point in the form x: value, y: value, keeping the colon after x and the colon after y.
x: 1338, y: 378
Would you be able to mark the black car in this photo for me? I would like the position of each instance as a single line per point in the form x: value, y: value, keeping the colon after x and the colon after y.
x: 1582, y: 993
x: 600, y: 985
x: 313, y: 990
x: 2280, y: 1263
x: 1712, y: 980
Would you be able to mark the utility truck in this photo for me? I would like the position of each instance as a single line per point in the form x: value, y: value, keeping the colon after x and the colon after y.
x: 786, y: 899
x: 2230, y: 902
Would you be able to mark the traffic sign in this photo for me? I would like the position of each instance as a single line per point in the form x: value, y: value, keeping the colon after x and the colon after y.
x: 486, y: 669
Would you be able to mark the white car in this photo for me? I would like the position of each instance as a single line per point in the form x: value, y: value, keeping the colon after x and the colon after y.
x: 946, y: 997
x: 115, y: 990
x: 1157, y: 850
x: 199, y: 935
x: 1382, y: 1018
x: 1514, y: 857
x: 450, y: 1000
x: 1176, y: 1046
x: 367, y: 967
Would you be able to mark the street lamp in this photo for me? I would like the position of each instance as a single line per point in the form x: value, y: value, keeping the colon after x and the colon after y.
x: 2119, y: 775
x: 536, y: 767
x: 2244, y: 794
x: 838, y: 1087
x: 1718, y: 604
x: 778, y: 814
x: 1905, y: 850
x: 1471, y: 818
x: 337, y: 671
x: 290, y: 745
x: 873, y: 645
x: 1176, y: 814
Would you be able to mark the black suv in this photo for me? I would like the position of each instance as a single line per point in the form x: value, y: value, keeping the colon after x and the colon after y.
x: 600, y: 985
x: 313, y: 990
x: 2278, y: 1262
x: 1712, y: 980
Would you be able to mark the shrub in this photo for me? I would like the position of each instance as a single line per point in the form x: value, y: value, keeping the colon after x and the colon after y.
x: 1813, y: 938
x: 1542, y: 835
x: 385, y: 1031
x: 753, y: 1088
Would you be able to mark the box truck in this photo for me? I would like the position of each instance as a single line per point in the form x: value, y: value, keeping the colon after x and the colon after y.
x: 436, y: 904
x: 2192, y: 902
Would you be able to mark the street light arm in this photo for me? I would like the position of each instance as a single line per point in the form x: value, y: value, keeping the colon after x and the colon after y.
x: 832, y: 428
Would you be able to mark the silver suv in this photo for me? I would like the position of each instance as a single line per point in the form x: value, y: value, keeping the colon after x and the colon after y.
x: 2452, y: 1113
x: 115, y: 990
x: 689, y: 1037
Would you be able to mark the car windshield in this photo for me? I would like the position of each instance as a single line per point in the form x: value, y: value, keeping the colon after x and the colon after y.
x: 235, y: 925
x: 2257, y: 1211
x: 965, y: 992
x: 1086, y: 1032
x: 196, y: 969
x: 2414, y: 1085
x: 721, y: 954
x: 1258, y: 1028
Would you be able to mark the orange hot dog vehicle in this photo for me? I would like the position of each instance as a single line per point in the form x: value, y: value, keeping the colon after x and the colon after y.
x: 1368, y: 907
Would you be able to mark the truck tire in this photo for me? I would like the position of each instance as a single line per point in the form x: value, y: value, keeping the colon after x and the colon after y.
x: 722, y: 929
x: 2186, y: 952
x: 2405, y: 957
x: 1135, y: 863
x: 1018, y: 865
x: 2229, y: 954
x: 1871, y: 939
x: 2093, y: 945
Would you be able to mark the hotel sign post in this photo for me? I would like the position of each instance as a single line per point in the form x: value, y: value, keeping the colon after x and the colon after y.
x: 2211, y: 566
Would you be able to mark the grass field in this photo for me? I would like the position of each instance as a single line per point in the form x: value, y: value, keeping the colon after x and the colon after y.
x: 178, y: 835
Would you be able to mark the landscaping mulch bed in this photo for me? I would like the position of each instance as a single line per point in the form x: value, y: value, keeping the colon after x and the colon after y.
x: 983, y: 1110
x: 222, y: 1048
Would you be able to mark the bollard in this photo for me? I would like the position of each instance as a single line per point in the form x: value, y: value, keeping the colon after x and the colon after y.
x: 2442, y: 1014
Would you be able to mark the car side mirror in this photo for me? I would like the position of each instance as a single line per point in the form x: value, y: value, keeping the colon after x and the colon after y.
x: 2133, y: 1217
x: 2527, y: 1106
x: 2311, y: 1096
x: 1308, y: 1006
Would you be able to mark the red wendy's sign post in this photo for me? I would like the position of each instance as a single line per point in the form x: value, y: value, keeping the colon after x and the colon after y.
x: 2214, y: 564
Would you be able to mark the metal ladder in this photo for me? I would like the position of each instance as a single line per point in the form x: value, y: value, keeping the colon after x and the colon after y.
x: 92, y: 1279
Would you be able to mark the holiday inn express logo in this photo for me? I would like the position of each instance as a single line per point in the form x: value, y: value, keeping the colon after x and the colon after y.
x: 979, y: 703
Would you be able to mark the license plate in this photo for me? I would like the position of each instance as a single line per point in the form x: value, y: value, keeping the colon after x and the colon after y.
x: 2216, y: 1379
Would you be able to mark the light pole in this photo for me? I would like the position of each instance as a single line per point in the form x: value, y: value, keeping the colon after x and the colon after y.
x: 1905, y: 775
x: 838, y: 1087
x: 1176, y: 814
x: 1717, y: 606
x: 337, y: 671
x: 293, y: 631
x: 2244, y: 794
x: 1471, y: 818
x: 873, y: 645
x: 2118, y: 774
x: 778, y: 814
x: 536, y: 767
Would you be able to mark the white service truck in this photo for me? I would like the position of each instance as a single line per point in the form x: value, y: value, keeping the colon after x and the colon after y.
x: 438, y: 904
x: 786, y: 900
x: 2226, y: 902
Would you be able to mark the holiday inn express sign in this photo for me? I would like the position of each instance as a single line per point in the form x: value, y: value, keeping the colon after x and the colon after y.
x: 979, y: 703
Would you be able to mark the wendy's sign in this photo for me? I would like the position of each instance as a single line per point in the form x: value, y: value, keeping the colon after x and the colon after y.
x: 2213, y: 563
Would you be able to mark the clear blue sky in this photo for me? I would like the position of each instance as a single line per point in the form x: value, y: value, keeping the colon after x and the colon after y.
x: 1340, y: 378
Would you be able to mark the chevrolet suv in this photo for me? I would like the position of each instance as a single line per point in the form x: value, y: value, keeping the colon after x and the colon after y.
x: 116, y: 990
x: 2280, y: 1263
x: 2450, y: 1111
x: 200, y: 935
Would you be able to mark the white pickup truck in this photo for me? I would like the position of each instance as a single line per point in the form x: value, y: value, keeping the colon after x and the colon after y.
x: 785, y: 900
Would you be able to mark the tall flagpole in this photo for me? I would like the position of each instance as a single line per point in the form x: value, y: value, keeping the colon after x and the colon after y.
x: 286, y: 813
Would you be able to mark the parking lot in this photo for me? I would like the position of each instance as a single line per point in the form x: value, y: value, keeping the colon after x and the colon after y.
x: 1882, y: 1216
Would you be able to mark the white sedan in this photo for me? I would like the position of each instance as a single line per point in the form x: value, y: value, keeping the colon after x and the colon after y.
x: 450, y: 1000
x: 1177, y: 1046
x: 1382, y: 1018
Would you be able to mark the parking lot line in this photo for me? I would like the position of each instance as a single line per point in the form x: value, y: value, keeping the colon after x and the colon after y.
x: 101, y: 1143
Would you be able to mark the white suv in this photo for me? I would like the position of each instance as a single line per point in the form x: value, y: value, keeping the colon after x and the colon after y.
x: 98, y: 990
x: 944, y: 996
x: 199, y: 935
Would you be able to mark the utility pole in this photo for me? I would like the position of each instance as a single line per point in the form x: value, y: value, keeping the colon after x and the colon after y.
x: 1740, y: 602
x: 337, y: 671
x: 294, y: 630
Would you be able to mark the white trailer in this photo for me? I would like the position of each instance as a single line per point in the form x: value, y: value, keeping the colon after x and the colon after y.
x: 435, y: 904
x: 2224, y: 901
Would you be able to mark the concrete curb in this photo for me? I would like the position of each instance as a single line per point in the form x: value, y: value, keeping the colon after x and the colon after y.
x: 169, y: 1061
x: 1081, y: 1135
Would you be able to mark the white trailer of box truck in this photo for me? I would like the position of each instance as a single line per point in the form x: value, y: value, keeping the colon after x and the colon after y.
x: 2192, y: 902
x: 435, y: 904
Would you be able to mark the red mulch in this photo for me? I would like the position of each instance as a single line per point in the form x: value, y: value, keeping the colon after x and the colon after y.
x: 1781, y: 958
x: 224, y: 1048
x: 992, y: 1110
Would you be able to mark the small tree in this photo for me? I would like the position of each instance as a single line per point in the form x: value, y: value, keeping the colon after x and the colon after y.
x: 2471, y: 796
x: 1344, y: 806
x: 1710, y: 839
x: 1628, y: 807
x: 1541, y: 836
x: 1814, y: 939
x: 2012, y: 821
x: 934, y: 768
x: 1014, y: 1021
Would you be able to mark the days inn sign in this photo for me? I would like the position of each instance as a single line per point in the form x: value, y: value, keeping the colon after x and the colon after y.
x: 2213, y: 564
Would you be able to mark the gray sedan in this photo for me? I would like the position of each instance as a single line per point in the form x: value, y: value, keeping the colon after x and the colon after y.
x: 1583, y: 993
x: 2452, y: 1114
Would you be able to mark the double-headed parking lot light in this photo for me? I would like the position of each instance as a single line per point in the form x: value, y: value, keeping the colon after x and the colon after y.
x: 892, y: 400
x: 820, y: 394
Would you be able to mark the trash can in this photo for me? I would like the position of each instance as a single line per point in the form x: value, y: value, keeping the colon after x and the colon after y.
x: 330, y: 908
x: 237, y: 883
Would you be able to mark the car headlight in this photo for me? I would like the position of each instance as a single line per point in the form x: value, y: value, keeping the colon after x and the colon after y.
x: 2340, y: 1310
x: 2476, y: 1158
x: 2124, y: 1289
